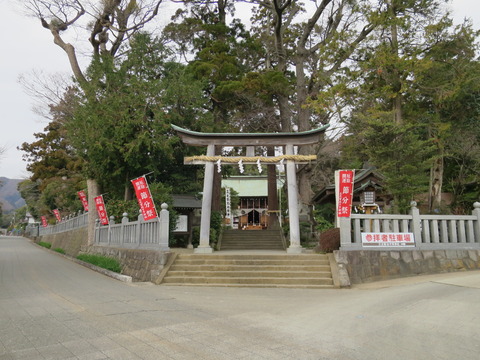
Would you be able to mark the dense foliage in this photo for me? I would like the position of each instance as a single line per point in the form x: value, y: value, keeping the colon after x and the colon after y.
x: 396, y: 79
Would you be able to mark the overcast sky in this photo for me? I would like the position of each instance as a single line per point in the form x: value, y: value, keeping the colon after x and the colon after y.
x: 27, y: 47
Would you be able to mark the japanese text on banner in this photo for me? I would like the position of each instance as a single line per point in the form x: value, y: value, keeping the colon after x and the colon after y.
x: 144, y: 198
x: 345, y: 187
x: 101, y: 210
x: 56, y: 212
x: 83, y: 199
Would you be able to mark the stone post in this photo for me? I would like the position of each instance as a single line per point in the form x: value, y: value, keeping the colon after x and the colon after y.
x: 345, y: 226
x: 476, y: 212
x: 110, y: 223
x: 293, y: 216
x: 138, y: 232
x: 416, y: 224
x: 122, y: 229
x: 96, y: 238
x: 164, y: 225
x: 204, y: 245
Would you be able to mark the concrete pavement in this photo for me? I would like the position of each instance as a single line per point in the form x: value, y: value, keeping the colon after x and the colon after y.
x: 52, y: 308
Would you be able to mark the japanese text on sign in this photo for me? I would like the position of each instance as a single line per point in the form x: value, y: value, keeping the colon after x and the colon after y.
x: 101, y: 210
x: 44, y: 221
x: 144, y: 198
x: 345, y: 186
x: 388, y: 239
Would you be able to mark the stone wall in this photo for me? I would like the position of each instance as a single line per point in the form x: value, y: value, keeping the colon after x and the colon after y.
x: 72, y: 241
x: 141, y: 265
x: 366, y: 266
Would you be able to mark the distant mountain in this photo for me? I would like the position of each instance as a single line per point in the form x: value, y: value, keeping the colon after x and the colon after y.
x: 9, y: 195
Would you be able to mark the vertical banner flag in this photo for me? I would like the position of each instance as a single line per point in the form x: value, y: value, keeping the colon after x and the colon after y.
x: 57, y: 215
x: 144, y: 198
x: 101, y: 210
x: 44, y: 221
x: 345, y: 192
x: 83, y: 199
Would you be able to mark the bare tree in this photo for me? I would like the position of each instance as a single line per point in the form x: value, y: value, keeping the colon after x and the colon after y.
x: 107, y: 23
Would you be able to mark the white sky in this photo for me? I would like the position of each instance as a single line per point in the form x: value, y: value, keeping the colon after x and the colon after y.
x: 26, y: 46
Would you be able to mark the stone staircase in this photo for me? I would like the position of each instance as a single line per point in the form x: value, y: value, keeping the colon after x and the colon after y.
x: 250, y: 270
x: 251, y: 240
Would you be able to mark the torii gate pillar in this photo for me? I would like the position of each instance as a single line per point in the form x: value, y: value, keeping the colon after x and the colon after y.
x: 204, y: 245
x: 293, y: 217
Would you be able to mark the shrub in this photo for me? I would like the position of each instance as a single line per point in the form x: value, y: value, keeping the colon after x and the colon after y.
x: 101, y: 261
x: 59, y: 250
x: 329, y: 240
x: 45, y: 244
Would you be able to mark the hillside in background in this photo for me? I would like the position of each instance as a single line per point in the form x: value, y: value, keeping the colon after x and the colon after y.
x: 9, y: 195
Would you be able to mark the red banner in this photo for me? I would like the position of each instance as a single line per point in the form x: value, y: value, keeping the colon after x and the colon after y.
x: 44, y: 221
x: 144, y: 198
x: 57, y: 215
x: 345, y: 190
x: 83, y: 199
x: 101, y: 210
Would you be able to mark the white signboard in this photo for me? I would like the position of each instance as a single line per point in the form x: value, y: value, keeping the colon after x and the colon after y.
x: 182, y: 223
x: 388, y: 240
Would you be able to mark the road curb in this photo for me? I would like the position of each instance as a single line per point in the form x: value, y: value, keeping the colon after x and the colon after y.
x: 114, y: 275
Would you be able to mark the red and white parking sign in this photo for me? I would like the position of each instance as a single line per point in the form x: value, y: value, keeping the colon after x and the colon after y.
x: 83, y: 199
x: 101, y: 210
x: 144, y: 198
x: 345, y: 192
x: 388, y: 239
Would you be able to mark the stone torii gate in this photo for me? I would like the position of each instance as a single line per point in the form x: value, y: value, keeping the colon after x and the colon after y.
x: 250, y: 140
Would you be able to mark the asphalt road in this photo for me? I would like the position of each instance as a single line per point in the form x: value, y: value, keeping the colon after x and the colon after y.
x: 53, y: 308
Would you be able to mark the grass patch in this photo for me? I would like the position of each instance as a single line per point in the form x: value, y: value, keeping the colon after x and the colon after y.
x: 59, y: 250
x: 45, y: 244
x: 101, y: 261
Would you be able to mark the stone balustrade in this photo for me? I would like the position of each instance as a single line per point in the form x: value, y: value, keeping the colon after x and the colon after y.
x: 430, y: 232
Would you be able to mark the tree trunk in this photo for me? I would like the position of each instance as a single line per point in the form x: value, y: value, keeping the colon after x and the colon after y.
x: 436, y: 183
x: 397, y: 80
x: 93, y: 191
x: 217, y: 185
x: 272, y: 191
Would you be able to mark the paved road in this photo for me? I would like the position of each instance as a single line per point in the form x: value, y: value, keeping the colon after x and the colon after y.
x: 52, y: 308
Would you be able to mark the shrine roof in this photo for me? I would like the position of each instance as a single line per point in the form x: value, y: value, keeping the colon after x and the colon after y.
x: 249, y: 139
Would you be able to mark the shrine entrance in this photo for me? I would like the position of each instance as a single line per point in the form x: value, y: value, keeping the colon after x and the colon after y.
x: 250, y: 140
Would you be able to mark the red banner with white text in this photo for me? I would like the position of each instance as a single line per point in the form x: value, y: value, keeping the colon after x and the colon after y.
x: 56, y: 212
x: 83, y: 199
x: 44, y: 221
x: 345, y: 192
x: 144, y: 198
x: 101, y: 210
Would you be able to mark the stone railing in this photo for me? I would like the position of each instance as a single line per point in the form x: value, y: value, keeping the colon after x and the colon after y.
x: 430, y: 232
x: 68, y: 223
x: 140, y: 234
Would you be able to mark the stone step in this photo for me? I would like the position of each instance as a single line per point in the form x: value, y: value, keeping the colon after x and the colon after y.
x: 251, y: 240
x: 233, y: 267
x: 256, y: 262
x: 248, y: 280
x: 295, y: 286
x: 259, y: 270
x: 252, y: 247
x: 260, y: 273
x: 251, y: 237
x: 254, y: 256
